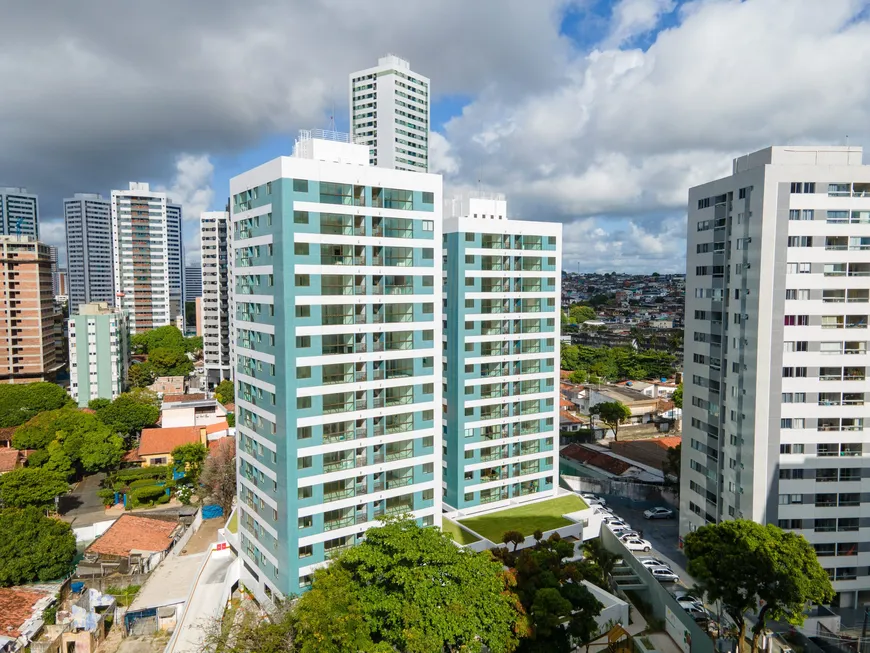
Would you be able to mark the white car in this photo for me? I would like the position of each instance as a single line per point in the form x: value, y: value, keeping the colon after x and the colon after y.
x: 664, y: 575
x: 624, y: 535
x: 592, y: 499
x: 689, y: 605
x: 658, y: 513
x: 637, y: 544
x: 618, y: 525
x: 651, y: 563
x: 602, y: 510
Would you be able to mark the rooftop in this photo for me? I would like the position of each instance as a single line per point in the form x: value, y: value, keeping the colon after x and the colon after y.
x: 526, y: 518
x: 217, y: 427
x: 132, y: 533
x: 16, y: 607
x: 8, y: 460
x: 160, y: 441
x: 172, y: 399
x: 597, y: 459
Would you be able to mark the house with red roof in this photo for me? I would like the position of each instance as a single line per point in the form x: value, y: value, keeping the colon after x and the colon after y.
x: 133, y: 544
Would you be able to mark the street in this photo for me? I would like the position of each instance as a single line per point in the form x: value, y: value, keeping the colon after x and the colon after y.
x: 82, y: 506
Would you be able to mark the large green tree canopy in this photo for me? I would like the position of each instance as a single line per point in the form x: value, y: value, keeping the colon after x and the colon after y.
x: 412, y: 589
x: 34, y: 547
x: 31, y: 486
x: 130, y: 412
x: 617, y: 363
x: 19, y: 403
x: 757, y: 569
x: 168, y: 361
x: 169, y: 337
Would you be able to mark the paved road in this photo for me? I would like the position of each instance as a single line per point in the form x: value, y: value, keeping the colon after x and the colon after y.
x: 82, y: 506
x: 204, y: 604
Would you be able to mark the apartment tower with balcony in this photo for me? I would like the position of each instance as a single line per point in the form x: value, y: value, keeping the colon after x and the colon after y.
x: 215, y: 314
x: 503, y: 282
x: 19, y: 212
x: 776, y: 392
x: 99, y: 352
x: 389, y: 114
x: 88, y: 221
x: 141, y: 240
x: 30, y: 320
x: 175, y: 253
x: 338, y: 352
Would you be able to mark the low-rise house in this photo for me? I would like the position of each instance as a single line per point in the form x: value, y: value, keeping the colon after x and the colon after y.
x: 169, y: 385
x: 10, y: 459
x: 643, y: 409
x: 132, y: 545
x: 190, y: 410
x: 156, y: 445
x: 593, y: 462
x: 21, y: 617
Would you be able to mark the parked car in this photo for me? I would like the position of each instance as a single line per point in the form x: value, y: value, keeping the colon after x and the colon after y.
x: 592, y: 499
x: 658, y: 513
x: 689, y: 605
x: 654, y: 562
x: 664, y: 575
x: 612, y: 519
x: 637, y: 544
x: 624, y: 535
x: 688, y: 596
x: 601, y: 510
x: 618, y: 525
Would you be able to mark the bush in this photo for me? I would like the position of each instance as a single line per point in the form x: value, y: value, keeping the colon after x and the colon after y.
x: 157, y: 471
x: 147, y: 494
x: 143, y: 482
x: 107, y: 495
x: 164, y: 498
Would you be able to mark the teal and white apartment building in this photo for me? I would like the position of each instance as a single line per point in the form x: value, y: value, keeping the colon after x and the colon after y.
x: 99, y: 352
x: 337, y: 350
x: 501, y: 346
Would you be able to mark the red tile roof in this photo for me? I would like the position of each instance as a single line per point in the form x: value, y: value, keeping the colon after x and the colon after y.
x: 168, y: 399
x: 132, y: 456
x: 595, y: 459
x: 215, y: 445
x: 8, y: 460
x: 231, y: 407
x: 134, y: 533
x: 16, y: 607
x: 668, y: 442
x: 569, y: 417
x: 223, y: 425
x: 564, y: 403
x: 160, y: 441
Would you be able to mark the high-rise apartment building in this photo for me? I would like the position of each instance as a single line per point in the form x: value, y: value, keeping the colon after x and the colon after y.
x: 192, y: 282
x: 175, y: 254
x: 29, y: 317
x: 338, y: 376
x: 88, y: 220
x: 214, y: 313
x: 389, y: 114
x: 52, y: 255
x: 19, y: 212
x: 776, y: 393
x: 99, y: 352
x: 503, y: 281
x: 144, y: 280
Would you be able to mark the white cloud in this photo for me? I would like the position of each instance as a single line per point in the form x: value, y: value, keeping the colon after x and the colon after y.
x: 633, y: 18
x: 441, y: 159
x: 191, y: 186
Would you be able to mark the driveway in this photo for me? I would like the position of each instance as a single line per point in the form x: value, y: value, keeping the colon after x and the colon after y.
x: 82, y: 506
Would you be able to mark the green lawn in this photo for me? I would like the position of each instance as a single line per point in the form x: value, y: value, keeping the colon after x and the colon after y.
x: 543, y: 516
x: 460, y: 535
x: 233, y: 523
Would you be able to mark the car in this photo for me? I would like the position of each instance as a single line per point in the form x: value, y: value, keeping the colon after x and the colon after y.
x: 700, y: 615
x: 688, y: 605
x: 637, y: 544
x: 618, y: 525
x: 592, y: 499
x: 688, y: 596
x: 601, y: 510
x: 654, y: 562
x: 658, y: 513
x: 624, y: 535
x: 664, y: 575
x: 612, y: 519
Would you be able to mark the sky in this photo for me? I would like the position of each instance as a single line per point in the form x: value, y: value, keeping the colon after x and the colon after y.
x: 599, y: 114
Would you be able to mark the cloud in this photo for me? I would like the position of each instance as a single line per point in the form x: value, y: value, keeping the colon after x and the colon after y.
x: 53, y: 232
x: 441, y: 160
x: 192, y: 188
x: 633, y: 18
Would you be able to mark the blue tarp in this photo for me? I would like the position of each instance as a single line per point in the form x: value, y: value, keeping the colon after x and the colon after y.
x: 210, y: 512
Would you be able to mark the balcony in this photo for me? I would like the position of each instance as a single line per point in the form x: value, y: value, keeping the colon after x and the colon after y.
x: 336, y: 551
x: 338, y: 523
x: 337, y: 495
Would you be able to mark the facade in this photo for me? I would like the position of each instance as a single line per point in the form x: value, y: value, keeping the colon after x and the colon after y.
x: 175, y: 254
x: 29, y: 317
x: 19, y: 212
x: 88, y: 220
x: 192, y: 282
x: 775, y: 398
x: 501, y: 340
x: 140, y: 249
x: 338, y: 376
x: 214, y: 312
x: 52, y: 255
x: 389, y: 114
x: 99, y: 352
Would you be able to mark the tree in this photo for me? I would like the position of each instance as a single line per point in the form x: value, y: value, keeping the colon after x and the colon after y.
x: 225, y: 392
x: 678, y: 396
x: 41, y: 548
x: 672, y: 463
x: 190, y: 457
x: 168, y: 361
x: 231, y: 419
x: 612, y: 413
x: 130, y: 412
x: 513, y: 537
x: 20, y: 403
x: 602, y: 561
x: 99, y: 403
x: 141, y: 375
x: 165, y: 336
x: 193, y: 345
x: 580, y: 313
x: 31, y: 486
x: 747, y: 565
x: 416, y: 592
x: 218, y: 476
x: 250, y: 632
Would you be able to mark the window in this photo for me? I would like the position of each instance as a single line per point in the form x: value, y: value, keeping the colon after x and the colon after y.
x: 305, y: 492
x: 428, y: 197
x: 469, y: 238
x: 306, y: 522
x: 303, y: 402
x: 303, y: 342
x: 303, y: 281
x: 428, y: 253
x: 801, y: 214
x: 304, y: 462
x: 300, y: 249
x: 305, y: 551
x: 303, y: 311
x: 800, y: 241
x: 803, y: 187
x: 303, y: 372
x: 428, y: 225
x: 303, y: 432
x: 300, y: 185
x: 300, y: 217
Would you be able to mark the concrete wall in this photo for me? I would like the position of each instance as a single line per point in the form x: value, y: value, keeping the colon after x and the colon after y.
x: 178, y: 547
x: 89, y: 533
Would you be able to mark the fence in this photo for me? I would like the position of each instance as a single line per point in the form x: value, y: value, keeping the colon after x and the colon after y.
x: 178, y: 547
x: 93, y: 531
x: 102, y: 583
x: 636, y: 491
